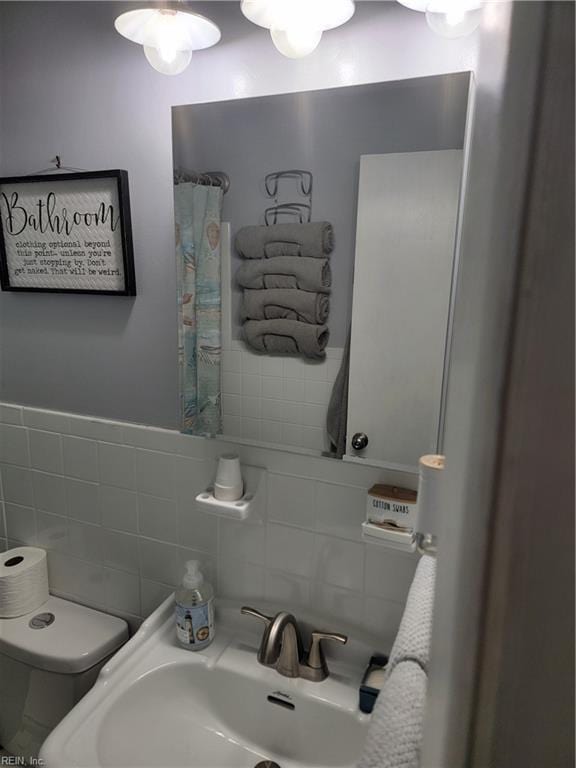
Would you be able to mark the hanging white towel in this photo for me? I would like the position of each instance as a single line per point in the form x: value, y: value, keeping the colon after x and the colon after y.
x: 395, y: 732
x: 413, y: 639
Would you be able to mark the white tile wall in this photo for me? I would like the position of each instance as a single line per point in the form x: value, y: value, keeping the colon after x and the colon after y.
x: 113, y: 504
x: 280, y: 400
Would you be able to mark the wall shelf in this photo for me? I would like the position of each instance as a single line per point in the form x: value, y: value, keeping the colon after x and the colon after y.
x: 375, y: 534
x: 251, y: 505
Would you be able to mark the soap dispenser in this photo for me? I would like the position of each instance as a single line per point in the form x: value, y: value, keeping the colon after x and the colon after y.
x: 194, y: 609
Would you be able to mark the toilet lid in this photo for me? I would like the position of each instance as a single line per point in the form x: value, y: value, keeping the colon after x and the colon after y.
x: 61, y: 636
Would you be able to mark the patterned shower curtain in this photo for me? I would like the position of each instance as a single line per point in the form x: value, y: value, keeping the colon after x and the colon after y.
x: 198, y: 210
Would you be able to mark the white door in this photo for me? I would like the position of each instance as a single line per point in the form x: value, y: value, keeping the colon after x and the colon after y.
x: 406, y: 227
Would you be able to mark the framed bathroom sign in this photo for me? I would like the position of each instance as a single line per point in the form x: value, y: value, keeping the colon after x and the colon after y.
x: 67, y: 233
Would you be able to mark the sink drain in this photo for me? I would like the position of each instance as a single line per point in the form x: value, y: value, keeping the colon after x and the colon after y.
x: 267, y: 764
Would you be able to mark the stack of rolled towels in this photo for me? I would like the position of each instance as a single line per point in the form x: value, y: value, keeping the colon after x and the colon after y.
x: 286, y: 279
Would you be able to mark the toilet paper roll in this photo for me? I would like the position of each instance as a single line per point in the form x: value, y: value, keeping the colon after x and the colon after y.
x: 23, y: 581
x: 429, y: 502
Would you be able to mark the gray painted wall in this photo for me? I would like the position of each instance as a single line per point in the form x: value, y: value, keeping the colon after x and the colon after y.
x: 324, y: 132
x: 71, y: 85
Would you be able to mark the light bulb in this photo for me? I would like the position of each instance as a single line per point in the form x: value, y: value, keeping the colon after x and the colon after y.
x: 453, y: 18
x: 167, y: 61
x: 296, y: 42
x: 168, y: 36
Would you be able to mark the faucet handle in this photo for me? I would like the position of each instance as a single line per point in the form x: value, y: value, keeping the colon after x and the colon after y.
x: 316, y: 658
x: 247, y: 611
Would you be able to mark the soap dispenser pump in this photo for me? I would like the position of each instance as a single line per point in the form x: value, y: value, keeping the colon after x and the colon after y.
x: 194, y: 609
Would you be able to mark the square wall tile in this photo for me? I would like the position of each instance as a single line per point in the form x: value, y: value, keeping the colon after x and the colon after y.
x: 10, y: 414
x: 51, y: 531
x: 160, y: 562
x: 271, y: 431
x: 272, y: 387
x: 240, y: 580
x: 318, y: 392
x: 232, y: 426
x: 292, y: 434
x: 341, y: 510
x: 290, y: 550
x: 343, y: 610
x: 158, y: 518
x: 292, y: 500
x: 89, y: 583
x: 285, y: 589
x: 250, y: 428
x: 14, y: 445
x: 231, y: 383
x: 339, y: 562
x: 231, y: 361
x: 119, y: 508
x: 116, y: 465
x: 272, y: 366
x: 251, y: 362
x: 196, y: 529
x: 85, y: 541
x: 382, y: 618
x: 80, y: 458
x: 388, y: 573
x: 251, y: 385
x: 155, y: 474
x: 83, y: 500
x: 314, y: 415
x: 20, y: 523
x: 232, y: 405
x: 122, y: 591
x: 49, y: 493
x: 45, y: 451
x: 120, y: 551
x: 17, y: 485
x: 152, y: 594
x: 191, y: 478
x: 241, y: 541
x: 294, y: 390
x: 61, y: 573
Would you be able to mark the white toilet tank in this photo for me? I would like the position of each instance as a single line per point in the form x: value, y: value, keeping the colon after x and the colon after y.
x: 48, y: 660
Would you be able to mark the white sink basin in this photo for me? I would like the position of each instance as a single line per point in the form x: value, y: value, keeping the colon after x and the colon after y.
x: 156, y: 704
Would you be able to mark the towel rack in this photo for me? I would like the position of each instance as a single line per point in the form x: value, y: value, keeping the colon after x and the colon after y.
x: 272, y: 182
x: 206, y: 178
x: 300, y: 211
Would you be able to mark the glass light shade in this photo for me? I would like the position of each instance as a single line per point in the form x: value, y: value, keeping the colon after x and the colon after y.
x: 415, y: 5
x: 168, y: 30
x: 296, y: 42
x: 167, y: 62
x: 318, y: 15
x: 453, y: 18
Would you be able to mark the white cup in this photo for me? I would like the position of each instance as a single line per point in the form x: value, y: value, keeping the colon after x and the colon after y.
x: 229, y: 485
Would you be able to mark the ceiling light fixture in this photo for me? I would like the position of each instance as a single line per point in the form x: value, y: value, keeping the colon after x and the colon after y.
x: 448, y: 18
x: 296, y: 26
x: 168, y: 35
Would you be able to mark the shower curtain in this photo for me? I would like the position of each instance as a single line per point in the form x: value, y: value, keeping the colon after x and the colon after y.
x: 198, y: 211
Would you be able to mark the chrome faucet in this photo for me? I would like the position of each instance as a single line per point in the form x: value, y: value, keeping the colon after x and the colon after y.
x: 282, y: 649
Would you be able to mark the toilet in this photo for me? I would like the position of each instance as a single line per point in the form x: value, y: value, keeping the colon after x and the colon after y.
x: 49, y: 659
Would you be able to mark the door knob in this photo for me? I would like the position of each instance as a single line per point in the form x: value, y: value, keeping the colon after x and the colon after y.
x: 359, y: 441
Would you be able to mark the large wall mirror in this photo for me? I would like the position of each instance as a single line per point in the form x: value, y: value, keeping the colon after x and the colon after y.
x: 327, y: 314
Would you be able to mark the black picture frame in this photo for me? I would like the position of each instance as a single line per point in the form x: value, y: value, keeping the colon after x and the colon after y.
x: 123, y: 190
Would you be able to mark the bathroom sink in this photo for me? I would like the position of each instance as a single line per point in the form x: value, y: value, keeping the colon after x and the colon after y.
x: 156, y: 704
